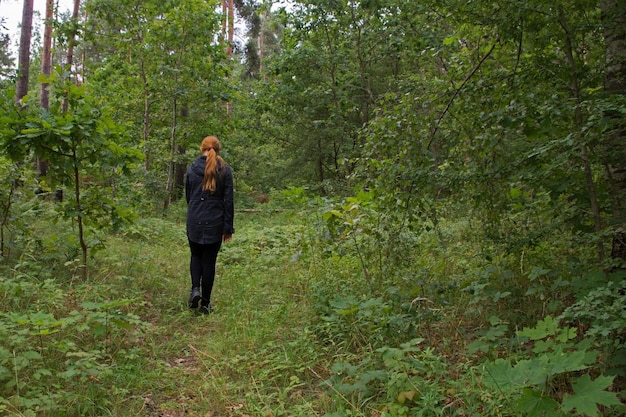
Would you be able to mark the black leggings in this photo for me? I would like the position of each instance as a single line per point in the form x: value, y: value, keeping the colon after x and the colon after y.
x: 202, y: 267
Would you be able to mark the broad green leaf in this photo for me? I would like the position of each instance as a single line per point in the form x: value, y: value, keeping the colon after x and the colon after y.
x: 544, y: 328
x: 534, y: 404
x: 31, y: 354
x: 332, y: 213
x: 589, y: 394
x: 503, y: 376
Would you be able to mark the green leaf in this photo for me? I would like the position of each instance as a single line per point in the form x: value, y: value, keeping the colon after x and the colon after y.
x: 121, y: 324
x: 544, y: 328
x: 589, y: 394
x: 31, y: 354
x: 332, y: 213
x: 503, y: 376
x: 450, y: 40
x: 535, y: 404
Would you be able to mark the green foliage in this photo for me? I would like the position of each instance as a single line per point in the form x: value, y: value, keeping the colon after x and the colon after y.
x: 600, y: 308
x: 49, y: 356
x: 79, y: 142
x: 556, y: 359
x: 437, y: 180
x: 162, y: 70
x: 588, y: 395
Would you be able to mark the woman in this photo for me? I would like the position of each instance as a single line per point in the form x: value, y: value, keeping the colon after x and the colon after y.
x: 210, y: 212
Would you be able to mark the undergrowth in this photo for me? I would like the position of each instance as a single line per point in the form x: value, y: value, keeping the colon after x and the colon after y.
x: 321, y: 311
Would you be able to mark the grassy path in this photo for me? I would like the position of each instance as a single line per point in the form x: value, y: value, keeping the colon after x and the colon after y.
x: 247, y: 359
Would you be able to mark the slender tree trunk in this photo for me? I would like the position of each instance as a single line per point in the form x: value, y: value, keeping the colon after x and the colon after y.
x: 614, y: 20
x: 83, y: 54
x: 170, y: 166
x: 260, y: 42
x: 231, y: 27
x: 578, y: 122
x: 179, y: 167
x: 69, y: 60
x: 224, y: 18
x: 174, y: 143
x: 24, y: 51
x: 46, y: 55
x: 79, y: 210
x: 320, y: 162
x: 146, y: 113
x: 5, y: 221
x: 46, y: 65
x: 231, y: 39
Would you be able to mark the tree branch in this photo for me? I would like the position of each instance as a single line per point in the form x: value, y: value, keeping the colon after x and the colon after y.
x: 457, y: 92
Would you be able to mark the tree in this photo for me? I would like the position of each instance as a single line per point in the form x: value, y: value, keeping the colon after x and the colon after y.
x: 79, y: 138
x: 5, y: 57
x: 333, y: 67
x: 46, y: 54
x: 166, y: 76
x: 46, y: 67
x: 24, y: 51
x: 69, y: 59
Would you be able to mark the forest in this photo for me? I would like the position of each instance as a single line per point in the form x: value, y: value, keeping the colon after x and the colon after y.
x: 430, y: 208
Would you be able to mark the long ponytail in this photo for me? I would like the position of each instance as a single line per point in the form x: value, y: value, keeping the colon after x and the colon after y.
x: 211, y: 147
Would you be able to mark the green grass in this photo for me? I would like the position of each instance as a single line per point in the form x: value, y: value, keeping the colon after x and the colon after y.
x: 241, y: 358
x: 294, y: 316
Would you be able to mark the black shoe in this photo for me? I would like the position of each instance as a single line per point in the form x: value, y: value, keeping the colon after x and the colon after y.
x: 195, y: 297
x: 207, y: 309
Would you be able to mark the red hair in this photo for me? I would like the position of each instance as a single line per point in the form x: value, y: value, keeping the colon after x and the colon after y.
x: 211, y: 148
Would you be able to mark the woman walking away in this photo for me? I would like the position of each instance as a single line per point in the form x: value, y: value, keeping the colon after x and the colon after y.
x: 210, y: 212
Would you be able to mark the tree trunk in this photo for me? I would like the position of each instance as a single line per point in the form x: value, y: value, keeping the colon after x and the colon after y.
x: 69, y: 60
x: 146, y: 112
x: 614, y: 20
x: 180, y: 168
x: 46, y: 55
x: 79, y: 210
x: 231, y: 27
x: 46, y: 65
x: 224, y: 18
x: 579, y: 122
x: 231, y: 39
x: 24, y: 51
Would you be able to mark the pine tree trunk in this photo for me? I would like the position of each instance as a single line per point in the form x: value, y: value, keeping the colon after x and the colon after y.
x: 24, y: 51
x: 231, y: 27
x: 72, y: 41
x: 46, y: 65
x: 46, y: 54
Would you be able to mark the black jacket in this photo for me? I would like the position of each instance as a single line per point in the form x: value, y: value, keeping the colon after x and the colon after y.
x: 209, y: 214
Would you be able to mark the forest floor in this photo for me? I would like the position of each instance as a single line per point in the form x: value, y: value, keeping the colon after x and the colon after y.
x: 299, y: 330
x: 244, y: 359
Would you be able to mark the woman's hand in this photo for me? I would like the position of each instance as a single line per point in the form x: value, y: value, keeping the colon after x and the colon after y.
x: 226, y: 238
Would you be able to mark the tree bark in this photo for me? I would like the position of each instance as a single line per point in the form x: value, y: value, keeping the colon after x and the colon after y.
x: 69, y: 60
x: 24, y: 51
x: 46, y: 65
x: 231, y: 27
x: 231, y: 39
x: 224, y: 18
x: 614, y: 20
x: 46, y: 54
